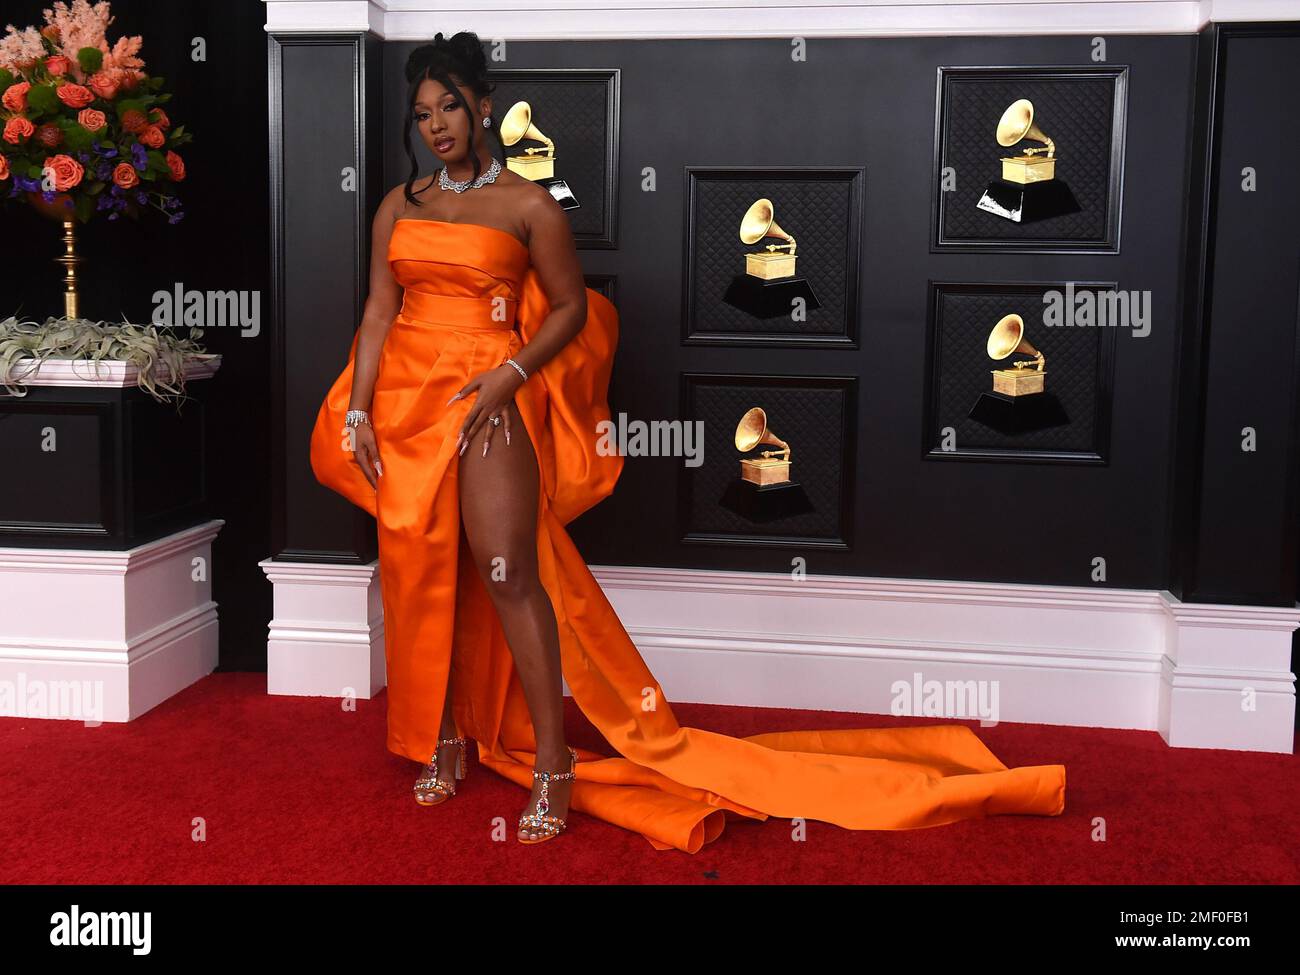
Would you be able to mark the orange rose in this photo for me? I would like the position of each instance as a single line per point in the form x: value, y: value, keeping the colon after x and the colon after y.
x: 4, y: 168
x: 176, y: 165
x: 58, y: 65
x: 152, y: 136
x: 159, y: 118
x: 17, y: 129
x: 124, y: 175
x: 49, y: 135
x: 15, y: 97
x: 91, y: 119
x: 65, y: 172
x: 103, y: 84
x: 133, y: 121
x: 75, y: 96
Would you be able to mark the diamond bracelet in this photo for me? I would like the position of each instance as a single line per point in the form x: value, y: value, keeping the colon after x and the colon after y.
x: 518, y: 368
x: 355, y: 417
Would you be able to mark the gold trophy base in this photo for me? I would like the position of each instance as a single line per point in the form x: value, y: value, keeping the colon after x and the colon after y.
x: 1018, y: 382
x: 765, y: 471
x: 769, y: 265
x: 1028, y: 169
x: 532, y: 167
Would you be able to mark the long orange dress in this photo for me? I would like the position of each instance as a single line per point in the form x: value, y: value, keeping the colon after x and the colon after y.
x: 671, y: 784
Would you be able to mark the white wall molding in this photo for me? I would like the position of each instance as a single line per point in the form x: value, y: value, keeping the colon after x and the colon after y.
x: 327, y: 631
x: 1061, y: 655
x: 662, y: 19
x: 119, y: 631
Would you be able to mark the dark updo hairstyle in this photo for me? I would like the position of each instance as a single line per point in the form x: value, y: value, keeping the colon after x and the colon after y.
x: 462, y: 56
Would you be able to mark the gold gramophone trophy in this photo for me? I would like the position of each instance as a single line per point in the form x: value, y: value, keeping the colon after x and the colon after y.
x: 771, y: 466
x: 768, y: 288
x: 1007, y: 338
x: 536, y: 163
x: 1028, y: 189
x: 759, y: 222
x: 1018, y: 402
x: 764, y: 491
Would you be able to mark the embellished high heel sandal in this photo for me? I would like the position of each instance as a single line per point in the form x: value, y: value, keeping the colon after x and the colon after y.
x: 431, y: 790
x: 548, y: 826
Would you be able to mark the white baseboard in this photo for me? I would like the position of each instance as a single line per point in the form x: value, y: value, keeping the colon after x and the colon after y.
x: 1203, y: 676
x: 94, y: 636
x: 1059, y: 655
x: 327, y: 635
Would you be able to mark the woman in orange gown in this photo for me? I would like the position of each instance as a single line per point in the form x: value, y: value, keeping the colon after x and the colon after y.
x: 472, y: 296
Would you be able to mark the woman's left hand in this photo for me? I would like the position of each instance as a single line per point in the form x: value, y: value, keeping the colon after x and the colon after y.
x: 496, y: 388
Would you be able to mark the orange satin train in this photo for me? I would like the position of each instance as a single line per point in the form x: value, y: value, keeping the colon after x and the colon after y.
x: 472, y: 299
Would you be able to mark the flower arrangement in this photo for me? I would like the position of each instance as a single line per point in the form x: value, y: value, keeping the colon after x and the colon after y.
x: 83, y: 127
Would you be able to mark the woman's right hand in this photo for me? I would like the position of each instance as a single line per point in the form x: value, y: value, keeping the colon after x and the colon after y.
x: 365, y: 453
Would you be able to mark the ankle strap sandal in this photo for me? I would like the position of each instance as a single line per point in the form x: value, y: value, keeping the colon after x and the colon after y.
x: 548, y: 826
x: 431, y: 790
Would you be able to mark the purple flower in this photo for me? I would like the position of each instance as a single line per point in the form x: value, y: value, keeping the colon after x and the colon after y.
x: 107, y: 151
x: 175, y: 218
x: 141, y: 197
x: 138, y: 156
x: 112, y: 216
x: 47, y: 196
x: 26, y: 184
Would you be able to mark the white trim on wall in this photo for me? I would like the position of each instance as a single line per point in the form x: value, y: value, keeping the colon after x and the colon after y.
x: 1202, y: 676
x: 661, y: 19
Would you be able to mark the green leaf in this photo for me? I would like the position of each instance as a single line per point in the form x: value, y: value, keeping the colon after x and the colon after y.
x: 76, y: 138
x: 42, y: 99
x: 163, y: 98
x: 91, y: 59
x: 157, y: 162
x: 95, y: 188
x: 126, y: 104
x: 33, y: 172
x: 6, y: 78
x: 84, y: 207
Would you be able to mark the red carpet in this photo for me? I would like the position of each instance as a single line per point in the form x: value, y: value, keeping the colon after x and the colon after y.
x: 298, y: 790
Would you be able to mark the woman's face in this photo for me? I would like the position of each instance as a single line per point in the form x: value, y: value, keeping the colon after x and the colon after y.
x: 444, y: 125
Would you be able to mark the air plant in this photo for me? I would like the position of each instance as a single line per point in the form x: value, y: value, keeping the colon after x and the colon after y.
x: 160, y: 357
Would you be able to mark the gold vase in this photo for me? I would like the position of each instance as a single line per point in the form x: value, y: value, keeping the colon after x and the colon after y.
x: 60, y: 209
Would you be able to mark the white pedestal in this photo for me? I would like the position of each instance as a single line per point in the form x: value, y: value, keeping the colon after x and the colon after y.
x: 98, y: 636
x: 327, y: 634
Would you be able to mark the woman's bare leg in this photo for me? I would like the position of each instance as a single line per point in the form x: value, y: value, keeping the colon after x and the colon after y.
x: 498, y: 504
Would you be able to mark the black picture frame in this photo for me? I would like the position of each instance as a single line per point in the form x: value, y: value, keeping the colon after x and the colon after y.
x: 1103, y: 385
x: 1109, y: 241
x: 694, y: 333
x: 840, y: 541
x: 608, y: 80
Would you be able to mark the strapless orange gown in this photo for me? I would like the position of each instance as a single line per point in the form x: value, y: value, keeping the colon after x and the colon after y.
x: 671, y: 784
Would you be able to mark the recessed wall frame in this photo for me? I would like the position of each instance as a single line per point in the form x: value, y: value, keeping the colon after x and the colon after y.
x: 822, y: 208
x: 578, y: 110
x: 1082, y: 108
x: 1079, y: 375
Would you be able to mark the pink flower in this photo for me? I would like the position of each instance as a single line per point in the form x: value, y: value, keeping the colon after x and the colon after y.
x: 17, y: 129
x: 15, y: 97
x: 103, y: 84
x: 91, y: 119
x: 65, y: 172
x: 159, y: 118
x: 4, y: 168
x: 152, y: 136
x: 133, y: 121
x: 20, y: 50
x: 49, y: 135
x: 58, y: 65
x: 124, y: 175
x: 75, y: 96
x: 176, y: 165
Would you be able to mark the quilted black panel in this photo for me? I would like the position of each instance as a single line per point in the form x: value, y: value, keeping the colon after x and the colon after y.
x: 811, y: 414
x: 574, y: 113
x: 817, y: 211
x: 1078, y: 370
x: 1076, y: 112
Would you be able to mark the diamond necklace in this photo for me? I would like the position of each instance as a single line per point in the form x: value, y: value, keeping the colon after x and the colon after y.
x: 460, y: 186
